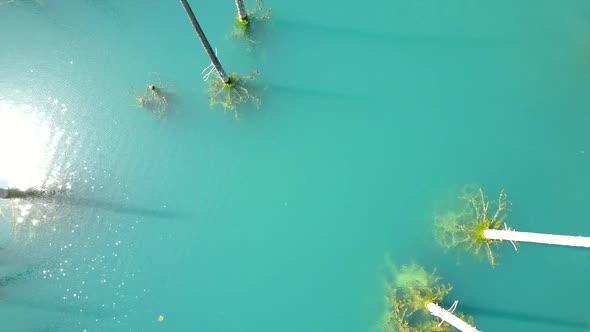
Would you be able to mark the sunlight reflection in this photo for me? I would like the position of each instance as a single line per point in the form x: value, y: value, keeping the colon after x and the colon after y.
x: 27, y: 145
x: 29, y: 140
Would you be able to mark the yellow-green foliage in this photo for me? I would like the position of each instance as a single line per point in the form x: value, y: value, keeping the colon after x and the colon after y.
x: 156, y: 97
x: 246, y: 28
x: 233, y: 94
x: 409, y: 289
x: 465, y: 225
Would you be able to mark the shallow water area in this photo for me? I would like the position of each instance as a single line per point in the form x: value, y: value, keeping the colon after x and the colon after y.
x: 372, y: 117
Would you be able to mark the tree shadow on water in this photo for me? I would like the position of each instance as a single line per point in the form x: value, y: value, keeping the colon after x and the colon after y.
x: 387, y: 39
x: 319, y: 94
x: 57, y: 198
x: 19, y: 282
x: 15, y: 277
x: 116, y: 207
x: 526, y: 317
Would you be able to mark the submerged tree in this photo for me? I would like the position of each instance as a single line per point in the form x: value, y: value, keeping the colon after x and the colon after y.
x: 156, y: 97
x: 26, y: 209
x: 412, y: 297
x: 475, y: 227
x: 12, y: 193
x: 244, y: 21
x: 16, y: 193
x: 464, y: 226
x: 242, y: 15
x: 229, y: 91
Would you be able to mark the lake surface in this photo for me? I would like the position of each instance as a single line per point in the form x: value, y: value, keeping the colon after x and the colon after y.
x: 372, y: 115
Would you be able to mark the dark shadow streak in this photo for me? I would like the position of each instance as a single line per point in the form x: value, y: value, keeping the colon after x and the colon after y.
x: 343, y: 33
x: 63, y: 308
x: 116, y: 207
x: 523, y: 316
x: 58, y: 196
x: 13, y: 278
x: 329, y: 95
x: 16, y: 278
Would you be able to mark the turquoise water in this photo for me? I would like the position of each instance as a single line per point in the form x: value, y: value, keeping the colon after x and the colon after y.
x: 372, y: 114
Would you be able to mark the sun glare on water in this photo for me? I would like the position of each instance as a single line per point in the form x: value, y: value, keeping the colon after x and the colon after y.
x: 27, y: 145
x: 29, y: 141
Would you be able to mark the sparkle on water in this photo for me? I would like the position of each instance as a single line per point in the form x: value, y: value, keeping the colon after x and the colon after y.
x: 28, y: 142
x: 279, y: 222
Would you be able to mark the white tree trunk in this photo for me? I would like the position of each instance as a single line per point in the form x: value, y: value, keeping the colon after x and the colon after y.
x: 448, y: 317
x: 562, y: 240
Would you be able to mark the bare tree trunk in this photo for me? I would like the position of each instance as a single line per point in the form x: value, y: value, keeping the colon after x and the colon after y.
x: 10, y: 193
x: 448, y: 317
x: 560, y: 240
x: 205, y: 42
x: 241, y: 10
